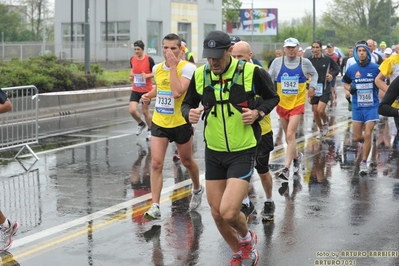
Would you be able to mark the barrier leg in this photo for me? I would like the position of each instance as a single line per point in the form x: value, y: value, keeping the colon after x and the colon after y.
x: 30, y: 150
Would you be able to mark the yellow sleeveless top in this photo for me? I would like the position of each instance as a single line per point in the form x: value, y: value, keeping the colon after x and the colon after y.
x: 167, y: 113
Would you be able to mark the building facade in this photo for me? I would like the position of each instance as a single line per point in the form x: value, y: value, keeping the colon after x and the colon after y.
x: 131, y: 20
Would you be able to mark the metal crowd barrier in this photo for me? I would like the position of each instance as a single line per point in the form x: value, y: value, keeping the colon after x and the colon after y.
x: 21, y: 199
x: 19, y: 128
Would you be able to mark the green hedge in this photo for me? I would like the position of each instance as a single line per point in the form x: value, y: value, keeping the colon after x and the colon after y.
x: 49, y: 74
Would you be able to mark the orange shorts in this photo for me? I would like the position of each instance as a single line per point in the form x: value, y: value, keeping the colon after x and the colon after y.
x: 284, y: 113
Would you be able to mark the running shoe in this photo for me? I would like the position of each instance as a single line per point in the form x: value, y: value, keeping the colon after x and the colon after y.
x: 140, y: 128
x: 7, y: 234
x: 196, y: 199
x: 247, y: 210
x: 268, y: 211
x: 297, y: 162
x: 284, y: 174
x: 249, y: 254
x: 363, y: 169
x: 236, y: 260
x: 153, y: 213
x: 320, y: 135
x: 148, y: 137
x: 324, y: 129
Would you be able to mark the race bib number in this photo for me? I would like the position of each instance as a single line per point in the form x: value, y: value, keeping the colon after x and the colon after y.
x: 365, y: 95
x: 139, y: 81
x: 165, y: 104
x: 319, y: 90
x: 289, y: 85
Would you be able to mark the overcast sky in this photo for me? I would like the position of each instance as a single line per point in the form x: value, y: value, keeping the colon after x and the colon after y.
x: 288, y: 9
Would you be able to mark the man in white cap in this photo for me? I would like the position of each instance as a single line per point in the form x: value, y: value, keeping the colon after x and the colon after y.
x: 290, y: 74
x: 387, y: 52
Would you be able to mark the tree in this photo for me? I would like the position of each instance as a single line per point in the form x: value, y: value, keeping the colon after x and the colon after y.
x: 361, y: 19
x: 35, y: 11
x: 230, y: 9
x: 10, y: 24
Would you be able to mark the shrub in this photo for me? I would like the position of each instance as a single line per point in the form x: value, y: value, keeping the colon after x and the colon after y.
x: 48, y: 73
x: 268, y: 55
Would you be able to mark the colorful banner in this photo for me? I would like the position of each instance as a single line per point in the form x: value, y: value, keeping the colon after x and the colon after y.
x: 259, y: 22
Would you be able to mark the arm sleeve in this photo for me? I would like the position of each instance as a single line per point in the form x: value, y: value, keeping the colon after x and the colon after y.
x: 191, y: 100
x: 390, y: 96
x: 152, y: 63
x: 347, y: 76
x: 264, y: 87
x: 335, y: 67
x: 188, y: 71
x: 308, y: 68
x: 274, y: 68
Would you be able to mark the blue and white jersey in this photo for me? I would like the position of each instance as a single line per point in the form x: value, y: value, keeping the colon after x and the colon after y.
x: 363, y: 80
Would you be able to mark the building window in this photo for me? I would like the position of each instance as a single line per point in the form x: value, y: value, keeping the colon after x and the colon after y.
x: 118, y: 33
x: 154, y: 38
x: 78, y: 34
x: 184, y: 31
x: 208, y: 28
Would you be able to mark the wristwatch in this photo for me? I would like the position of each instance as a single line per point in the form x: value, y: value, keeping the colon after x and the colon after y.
x: 261, y: 115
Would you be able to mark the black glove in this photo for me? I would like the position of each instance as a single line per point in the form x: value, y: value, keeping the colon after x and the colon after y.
x: 353, y: 90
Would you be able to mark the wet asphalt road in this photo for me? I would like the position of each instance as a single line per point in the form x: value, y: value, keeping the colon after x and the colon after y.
x: 82, y: 202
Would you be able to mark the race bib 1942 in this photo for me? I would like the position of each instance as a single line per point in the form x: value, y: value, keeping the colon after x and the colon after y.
x: 289, y: 85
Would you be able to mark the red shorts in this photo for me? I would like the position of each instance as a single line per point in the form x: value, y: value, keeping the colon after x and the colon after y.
x: 284, y: 113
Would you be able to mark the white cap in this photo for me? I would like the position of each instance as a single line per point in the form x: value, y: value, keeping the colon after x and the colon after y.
x: 300, y: 49
x: 291, y: 42
x: 388, y: 51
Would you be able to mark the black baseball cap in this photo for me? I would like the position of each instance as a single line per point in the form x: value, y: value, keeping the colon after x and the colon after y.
x: 215, y: 43
x: 234, y: 39
x: 330, y: 44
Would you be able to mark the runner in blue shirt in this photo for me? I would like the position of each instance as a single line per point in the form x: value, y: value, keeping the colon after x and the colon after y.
x: 359, y: 81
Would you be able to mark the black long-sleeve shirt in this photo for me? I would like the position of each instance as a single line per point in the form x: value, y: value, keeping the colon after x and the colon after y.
x: 264, y: 87
x: 325, y: 65
x: 390, y: 96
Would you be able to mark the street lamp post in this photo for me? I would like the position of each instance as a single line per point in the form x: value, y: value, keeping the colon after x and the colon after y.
x: 106, y: 30
x: 87, y: 37
x: 252, y: 17
x: 71, y: 41
x: 314, y: 20
x: 390, y: 22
